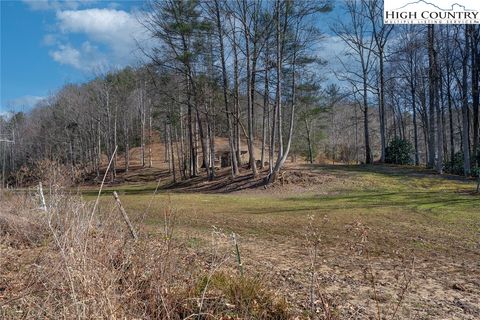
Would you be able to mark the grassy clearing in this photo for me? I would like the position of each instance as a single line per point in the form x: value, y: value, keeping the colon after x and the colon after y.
x: 403, y: 202
x: 376, y: 236
x: 408, y: 215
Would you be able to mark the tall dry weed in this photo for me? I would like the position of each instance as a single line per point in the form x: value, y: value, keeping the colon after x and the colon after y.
x: 92, y: 269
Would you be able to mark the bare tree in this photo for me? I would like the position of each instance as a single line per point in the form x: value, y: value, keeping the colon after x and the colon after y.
x: 380, y: 32
x: 356, y: 35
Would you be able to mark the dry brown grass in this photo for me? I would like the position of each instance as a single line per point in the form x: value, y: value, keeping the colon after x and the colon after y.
x: 56, y: 265
x: 21, y: 230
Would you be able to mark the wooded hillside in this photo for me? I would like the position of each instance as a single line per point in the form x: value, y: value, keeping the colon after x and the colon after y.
x: 252, y: 72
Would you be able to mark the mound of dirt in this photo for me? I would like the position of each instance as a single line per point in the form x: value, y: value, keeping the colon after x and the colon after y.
x: 302, y: 178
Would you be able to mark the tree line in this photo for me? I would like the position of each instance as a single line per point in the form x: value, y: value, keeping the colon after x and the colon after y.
x: 253, y: 72
x: 423, y: 76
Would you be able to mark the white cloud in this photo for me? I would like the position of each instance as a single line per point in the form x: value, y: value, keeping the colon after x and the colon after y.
x: 86, y: 57
x: 115, y: 30
x: 67, y: 55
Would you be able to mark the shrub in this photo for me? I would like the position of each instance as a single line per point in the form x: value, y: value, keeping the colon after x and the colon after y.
x: 399, y: 151
x: 455, y: 166
x: 246, y: 297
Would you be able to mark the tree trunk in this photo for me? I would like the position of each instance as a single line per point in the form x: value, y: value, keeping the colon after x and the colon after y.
x: 309, y: 141
x: 475, y: 63
x: 382, y: 106
x: 233, y: 153
x: 431, y: 96
x: 450, y: 116
x: 182, y: 161
x: 203, y: 143
x: 415, y: 130
x: 168, y: 149
x: 442, y: 117
x: 127, y: 149
x: 99, y: 150
x: 368, y: 152
x: 439, y: 123
x: 283, y: 155
x: 266, y: 93
x: 172, y: 152
x: 466, y: 140
x: 250, y: 140
x: 236, y: 94
x: 142, y: 122
x: 191, y: 139
x: 211, y: 129
x: 149, y: 134
x: 278, y: 91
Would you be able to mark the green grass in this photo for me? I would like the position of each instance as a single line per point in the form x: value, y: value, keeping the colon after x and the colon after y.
x: 399, y: 204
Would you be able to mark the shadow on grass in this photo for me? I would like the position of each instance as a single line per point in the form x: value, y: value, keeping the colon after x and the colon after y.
x: 405, y: 177
x: 420, y: 201
x: 386, y: 170
x: 221, y: 184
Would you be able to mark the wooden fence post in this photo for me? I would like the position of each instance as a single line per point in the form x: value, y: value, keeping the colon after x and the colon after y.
x: 43, y: 204
x: 125, y: 216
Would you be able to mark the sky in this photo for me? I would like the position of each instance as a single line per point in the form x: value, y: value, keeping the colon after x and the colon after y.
x: 48, y: 43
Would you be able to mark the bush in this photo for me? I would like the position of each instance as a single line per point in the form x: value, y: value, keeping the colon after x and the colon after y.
x: 455, y: 166
x: 246, y: 297
x: 399, y: 151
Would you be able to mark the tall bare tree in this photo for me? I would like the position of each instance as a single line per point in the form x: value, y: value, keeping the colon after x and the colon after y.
x: 381, y: 33
x: 355, y: 33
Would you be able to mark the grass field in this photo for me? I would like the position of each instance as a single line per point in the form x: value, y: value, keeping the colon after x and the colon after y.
x: 387, y: 234
x: 322, y: 242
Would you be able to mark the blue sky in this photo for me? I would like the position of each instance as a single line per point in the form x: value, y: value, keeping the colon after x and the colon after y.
x: 48, y: 43
x: 45, y: 44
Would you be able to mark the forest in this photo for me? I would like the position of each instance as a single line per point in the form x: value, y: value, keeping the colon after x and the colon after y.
x: 252, y: 72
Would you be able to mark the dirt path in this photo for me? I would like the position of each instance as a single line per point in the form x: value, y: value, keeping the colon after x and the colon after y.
x: 427, y: 287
